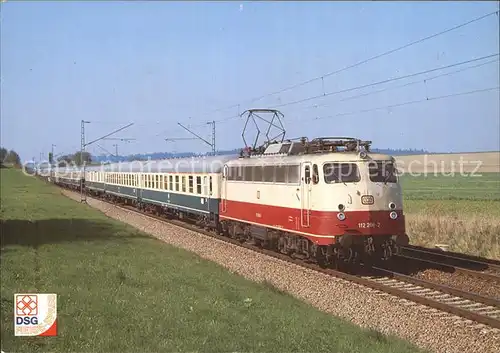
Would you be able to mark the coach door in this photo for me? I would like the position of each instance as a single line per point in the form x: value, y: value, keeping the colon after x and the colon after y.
x: 305, y: 195
x: 223, y: 195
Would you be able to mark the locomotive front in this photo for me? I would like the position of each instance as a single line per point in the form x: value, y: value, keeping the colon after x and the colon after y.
x: 365, y: 197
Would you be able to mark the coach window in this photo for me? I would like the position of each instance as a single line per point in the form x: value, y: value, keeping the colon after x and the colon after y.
x: 190, y: 178
x: 165, y: 182
x: 307, y: 174
x: 177, y: 183
x: 315, y: 177
x: 170, y: 182
x: 198, y: 184
x: 210, y: 178
x: 183, y: 183
x: 205, y: 185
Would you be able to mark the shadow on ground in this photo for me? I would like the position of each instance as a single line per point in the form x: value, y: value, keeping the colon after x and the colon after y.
x: 53, y: 231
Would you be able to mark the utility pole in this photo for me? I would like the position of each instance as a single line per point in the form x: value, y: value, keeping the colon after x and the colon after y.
x: 51, y: 156
x: 83, y: 196
x: 213, y: 135
x: 197, y: 137
x: 119, y: 139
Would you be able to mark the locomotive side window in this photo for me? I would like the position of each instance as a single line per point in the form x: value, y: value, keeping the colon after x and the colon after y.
x: 382, y: 172
x: 170, y: 182
x: 177, y: 183
x: 239, y: 173
x: 257, y: 173
x: 268, y: 174
x: 292, y: 174
x: 315, y: 177
x: 210, y: 185
x: 341, y: 173
x: 307, y: 174
x: 280, y: 174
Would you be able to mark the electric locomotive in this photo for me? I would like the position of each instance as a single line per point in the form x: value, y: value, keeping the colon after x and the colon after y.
x: 328, y: 199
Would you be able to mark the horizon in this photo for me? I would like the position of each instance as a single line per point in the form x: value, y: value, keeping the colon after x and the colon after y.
x: 158, y: 64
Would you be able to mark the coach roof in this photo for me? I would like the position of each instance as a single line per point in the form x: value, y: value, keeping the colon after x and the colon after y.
x: 205, y: 164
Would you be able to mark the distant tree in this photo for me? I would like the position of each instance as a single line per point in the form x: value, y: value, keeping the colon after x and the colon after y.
x: 12, y: 158
x: 3, y: 154
x: 80, y: 158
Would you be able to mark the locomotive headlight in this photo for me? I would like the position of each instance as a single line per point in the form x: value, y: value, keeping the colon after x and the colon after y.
x: 363, y: 154
x: 393, y: 215
x: 341, y: 216
x: 392, y: 205
x: 341, y: 207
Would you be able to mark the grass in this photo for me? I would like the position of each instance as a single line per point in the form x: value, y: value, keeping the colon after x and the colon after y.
x: 485, y: 186
x: 463, y: 212
x: 120, y: 290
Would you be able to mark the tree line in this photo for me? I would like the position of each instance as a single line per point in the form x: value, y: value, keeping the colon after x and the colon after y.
x: 9, y: 158
x: 76, y: 158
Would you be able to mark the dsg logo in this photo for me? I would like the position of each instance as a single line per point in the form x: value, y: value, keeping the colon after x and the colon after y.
x: 35, y: 315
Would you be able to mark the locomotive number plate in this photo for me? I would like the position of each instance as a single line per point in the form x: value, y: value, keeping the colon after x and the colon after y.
x: 369, y: 225
x: 367, y: 200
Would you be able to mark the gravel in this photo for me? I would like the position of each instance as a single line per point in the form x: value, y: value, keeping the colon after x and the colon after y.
x: 465, y: 282
x: 428, y: 328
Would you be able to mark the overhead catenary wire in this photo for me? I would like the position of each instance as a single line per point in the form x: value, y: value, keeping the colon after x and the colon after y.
x: 406, y: 103
x: 383, y: 81
x: 380, y: 83
x: 403, y: 85
x: 361, y: 62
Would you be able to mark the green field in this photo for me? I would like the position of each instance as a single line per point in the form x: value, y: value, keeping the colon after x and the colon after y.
x: 120, y: 290
x: 462, y: 212
x: 457, y: 187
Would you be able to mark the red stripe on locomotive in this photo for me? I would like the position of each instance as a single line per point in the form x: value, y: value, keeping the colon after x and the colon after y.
x: 321, y: 223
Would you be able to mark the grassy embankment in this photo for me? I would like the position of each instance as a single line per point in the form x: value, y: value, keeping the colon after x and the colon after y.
x: 120, y: 290
x: 460, y: 211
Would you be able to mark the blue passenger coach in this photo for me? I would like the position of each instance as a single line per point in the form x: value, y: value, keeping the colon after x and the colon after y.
x: 189, y: 185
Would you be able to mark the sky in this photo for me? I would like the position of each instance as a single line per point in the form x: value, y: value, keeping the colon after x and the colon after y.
x: 156, y: 64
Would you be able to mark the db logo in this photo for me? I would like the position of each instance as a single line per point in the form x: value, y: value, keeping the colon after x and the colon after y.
x: 35, y: 315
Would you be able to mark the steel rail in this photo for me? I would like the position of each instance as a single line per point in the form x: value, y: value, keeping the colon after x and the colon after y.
x: 475, y: 273
x: 471, y: 259
x: 370, y: 282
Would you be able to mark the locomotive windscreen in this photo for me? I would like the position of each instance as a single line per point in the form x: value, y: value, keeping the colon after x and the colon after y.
x: 383, y: 172
x: 341, y: 173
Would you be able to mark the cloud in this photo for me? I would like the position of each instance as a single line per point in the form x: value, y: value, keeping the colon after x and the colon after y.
x: 241, y: 7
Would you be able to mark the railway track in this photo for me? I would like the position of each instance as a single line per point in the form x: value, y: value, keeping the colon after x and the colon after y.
x: 487, y: 269
x: 467, y: 305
